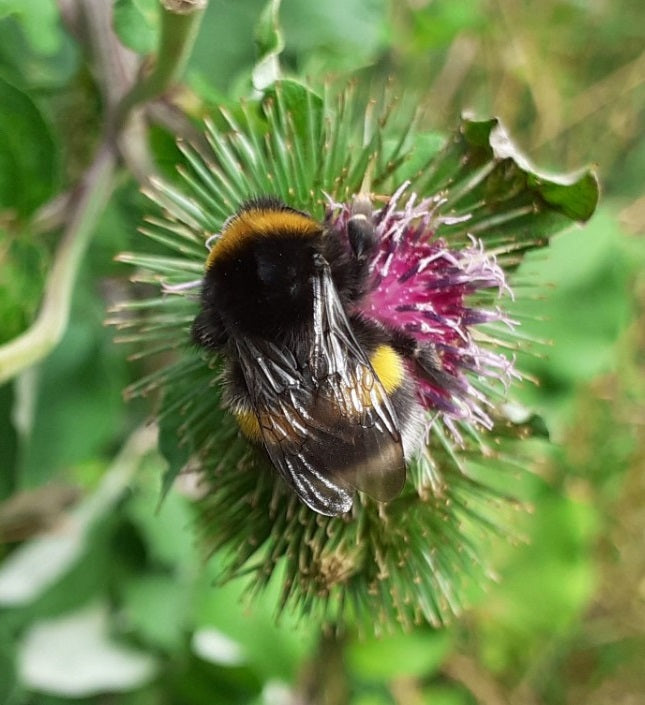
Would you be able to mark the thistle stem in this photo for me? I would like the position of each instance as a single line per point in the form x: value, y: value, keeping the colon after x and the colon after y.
x: 325, y: 679
x: 47, y: 330
x: 180, y: 20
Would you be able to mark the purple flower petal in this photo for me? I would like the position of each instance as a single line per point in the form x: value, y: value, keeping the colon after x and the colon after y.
x: 422, y: 286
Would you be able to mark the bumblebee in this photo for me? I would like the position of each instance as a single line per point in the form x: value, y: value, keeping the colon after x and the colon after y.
x: 325, y: 390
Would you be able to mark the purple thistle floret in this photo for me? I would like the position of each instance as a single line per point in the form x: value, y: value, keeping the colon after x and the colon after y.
x: 423, y: 287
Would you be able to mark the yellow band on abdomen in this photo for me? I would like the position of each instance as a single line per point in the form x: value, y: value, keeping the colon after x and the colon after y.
x: 388, y: 365
x: 249, y: 425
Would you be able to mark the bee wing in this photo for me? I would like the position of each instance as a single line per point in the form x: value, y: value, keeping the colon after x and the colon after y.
x: 368, y: 445
x: 281, y: 397
x: 327, y: 423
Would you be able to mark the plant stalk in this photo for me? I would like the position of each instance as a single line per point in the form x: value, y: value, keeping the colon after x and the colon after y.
x: 44, y: 334
x: 180, y: 20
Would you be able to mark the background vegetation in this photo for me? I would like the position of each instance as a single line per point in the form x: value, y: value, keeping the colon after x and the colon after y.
x: 105, y: 600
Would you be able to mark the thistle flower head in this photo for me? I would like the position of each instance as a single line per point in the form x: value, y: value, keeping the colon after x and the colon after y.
x: 426, y: 289
x: 452, y: 227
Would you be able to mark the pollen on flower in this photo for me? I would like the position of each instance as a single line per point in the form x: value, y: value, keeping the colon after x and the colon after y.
x: 333, y: 568
x: 428, y: 289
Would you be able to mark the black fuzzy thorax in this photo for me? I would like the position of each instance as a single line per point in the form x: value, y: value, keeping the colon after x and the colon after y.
x: 264, y: 287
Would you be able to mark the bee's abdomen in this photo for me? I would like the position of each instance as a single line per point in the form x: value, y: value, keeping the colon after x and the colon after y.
x: 388, y: 366
x: 391, y: 369
x: 248, y: 423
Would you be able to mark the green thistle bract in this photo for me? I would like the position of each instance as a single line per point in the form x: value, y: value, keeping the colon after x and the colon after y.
x: 458, y: 218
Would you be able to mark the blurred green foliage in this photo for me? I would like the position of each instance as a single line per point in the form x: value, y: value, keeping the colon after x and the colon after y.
x: 564, y: 623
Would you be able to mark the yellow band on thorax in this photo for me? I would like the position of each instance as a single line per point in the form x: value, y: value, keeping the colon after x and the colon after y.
x: 260, y: 222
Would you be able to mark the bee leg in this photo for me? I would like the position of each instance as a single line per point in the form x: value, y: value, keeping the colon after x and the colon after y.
x: 426, y: 359
x: 208, y: 330
x: 362, y: 236
x: 361, y: 232
x: 431, y: 367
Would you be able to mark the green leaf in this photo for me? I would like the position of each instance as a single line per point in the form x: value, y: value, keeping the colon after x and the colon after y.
x: 176, y: 439
x: 23, y: 264
x: 59, y: 568
x: 28, y: 153
x: 137, y: 24
x: 270, y: 43
x: 39, y: 20
x: 575, y: 197
x: 415, y: 655
x: 436, y: 25
x: 272, y: 650
x: 199, y: 681
x: 337, y: 34
x: 52, y: 574
x: 8, y: 675
x: 500, y: 197
x: 174, y: 452
x: 28, y: 70
x: 8, y: 441
x: 148, y: 597
x: 584, y: 312
x: 555, y: 571
x: 74, y: 421
x: 167, y: 530
x: 423, y: 148
x: 224, y: 54
x: 446, y: 695
x: 38, y: 565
